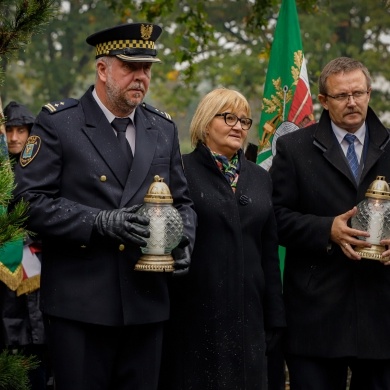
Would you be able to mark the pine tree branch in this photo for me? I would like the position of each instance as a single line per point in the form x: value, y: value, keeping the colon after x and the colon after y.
x: 14, y: 370
x: 11, y: 223
x: 18, y: 22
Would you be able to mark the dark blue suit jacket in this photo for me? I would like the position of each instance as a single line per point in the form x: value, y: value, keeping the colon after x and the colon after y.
x: 76, y: 169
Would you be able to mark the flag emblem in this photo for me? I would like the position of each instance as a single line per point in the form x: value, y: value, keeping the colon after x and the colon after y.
x: 286, y: 96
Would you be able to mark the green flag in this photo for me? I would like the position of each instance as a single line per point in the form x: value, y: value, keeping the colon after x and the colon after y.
x: 287, y: 103
x: 11, y: 272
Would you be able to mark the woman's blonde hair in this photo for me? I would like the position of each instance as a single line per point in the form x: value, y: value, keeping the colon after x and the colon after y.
x: 218, y: 101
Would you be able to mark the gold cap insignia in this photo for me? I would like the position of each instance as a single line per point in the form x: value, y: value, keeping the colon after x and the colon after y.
x: 146, y: 31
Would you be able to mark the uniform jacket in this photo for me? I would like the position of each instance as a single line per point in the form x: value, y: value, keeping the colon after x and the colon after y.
x: 77, y: 171
x: 233, y: 290
x: 335, y: 306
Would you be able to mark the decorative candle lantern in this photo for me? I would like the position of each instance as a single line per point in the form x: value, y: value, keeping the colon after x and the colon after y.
x: 374, y: 217
x: 166, y: 229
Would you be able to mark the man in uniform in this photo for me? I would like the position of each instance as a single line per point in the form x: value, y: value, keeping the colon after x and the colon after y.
x: 84, y: 177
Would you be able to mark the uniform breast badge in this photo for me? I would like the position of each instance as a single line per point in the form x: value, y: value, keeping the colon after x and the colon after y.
x: 31, y: 149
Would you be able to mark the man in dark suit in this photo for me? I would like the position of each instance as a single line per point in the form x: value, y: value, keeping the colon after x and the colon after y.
x: 84, y: 186
x: 337, y: 303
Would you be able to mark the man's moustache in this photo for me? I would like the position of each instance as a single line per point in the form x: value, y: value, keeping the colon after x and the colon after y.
x: 138, y: 87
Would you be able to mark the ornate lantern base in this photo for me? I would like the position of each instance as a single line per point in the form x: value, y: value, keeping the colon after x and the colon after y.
x: 372, y: 253
x: 155, y: 263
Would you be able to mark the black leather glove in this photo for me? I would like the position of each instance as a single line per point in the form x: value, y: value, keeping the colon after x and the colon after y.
x: 272, y: 338
x: 182, y: 256
x: 123, y: 225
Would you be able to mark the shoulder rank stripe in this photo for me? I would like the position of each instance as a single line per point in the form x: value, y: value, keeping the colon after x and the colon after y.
x: 156, y: 111
x: 61, y: 105
x: 50, y: 107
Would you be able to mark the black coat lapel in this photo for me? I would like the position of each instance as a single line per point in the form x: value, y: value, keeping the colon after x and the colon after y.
x: 145, y: 146
x: 101, y: 135
x: 379, y: 138
x: 325, y: 139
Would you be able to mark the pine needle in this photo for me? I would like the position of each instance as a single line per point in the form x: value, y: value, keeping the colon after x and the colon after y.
x: 11, y: 223
x: 14, y: 370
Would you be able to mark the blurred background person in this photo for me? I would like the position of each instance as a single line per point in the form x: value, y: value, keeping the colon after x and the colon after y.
x: 232, y: 297
x: 19, y: 121
x: 21, y: 324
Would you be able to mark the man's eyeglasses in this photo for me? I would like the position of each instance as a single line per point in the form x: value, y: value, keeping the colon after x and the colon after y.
x: 342, y: 97
x: 232, y: 119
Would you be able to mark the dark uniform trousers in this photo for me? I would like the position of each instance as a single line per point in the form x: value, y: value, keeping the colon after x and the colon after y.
x: 105, y: 357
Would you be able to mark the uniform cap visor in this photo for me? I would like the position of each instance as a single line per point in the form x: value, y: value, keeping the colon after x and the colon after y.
x: 137, y: 58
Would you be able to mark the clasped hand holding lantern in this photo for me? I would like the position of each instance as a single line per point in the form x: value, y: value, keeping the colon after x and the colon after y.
x: 156, y: 226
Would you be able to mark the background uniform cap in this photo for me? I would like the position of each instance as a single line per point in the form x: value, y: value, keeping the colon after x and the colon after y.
x: 18, y: 115
x: 131, y: 42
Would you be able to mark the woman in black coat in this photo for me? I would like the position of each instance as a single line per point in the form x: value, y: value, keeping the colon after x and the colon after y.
x: 232, y: 296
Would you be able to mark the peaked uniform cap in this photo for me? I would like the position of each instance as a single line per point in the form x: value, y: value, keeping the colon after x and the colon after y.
x: 131, y: 42
x: 18, y: 115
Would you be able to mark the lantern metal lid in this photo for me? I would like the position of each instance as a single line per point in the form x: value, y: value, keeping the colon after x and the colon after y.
x: 379, y: 189
x: 158, y: 192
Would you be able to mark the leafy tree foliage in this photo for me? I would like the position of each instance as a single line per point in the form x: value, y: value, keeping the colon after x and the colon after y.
x: 205, y: 44
x: 357, y: 29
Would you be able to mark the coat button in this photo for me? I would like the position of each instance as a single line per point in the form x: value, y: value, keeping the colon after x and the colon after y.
x: 121, y: 247
x: 244, y: 200
x: 103, y: 178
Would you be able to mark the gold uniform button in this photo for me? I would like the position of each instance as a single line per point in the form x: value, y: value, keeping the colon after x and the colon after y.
x: 103, y: 178
x: 121, y: 247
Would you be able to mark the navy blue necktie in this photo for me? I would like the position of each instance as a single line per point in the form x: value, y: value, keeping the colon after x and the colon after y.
x: 120, y: 125
x: 351, y: 154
